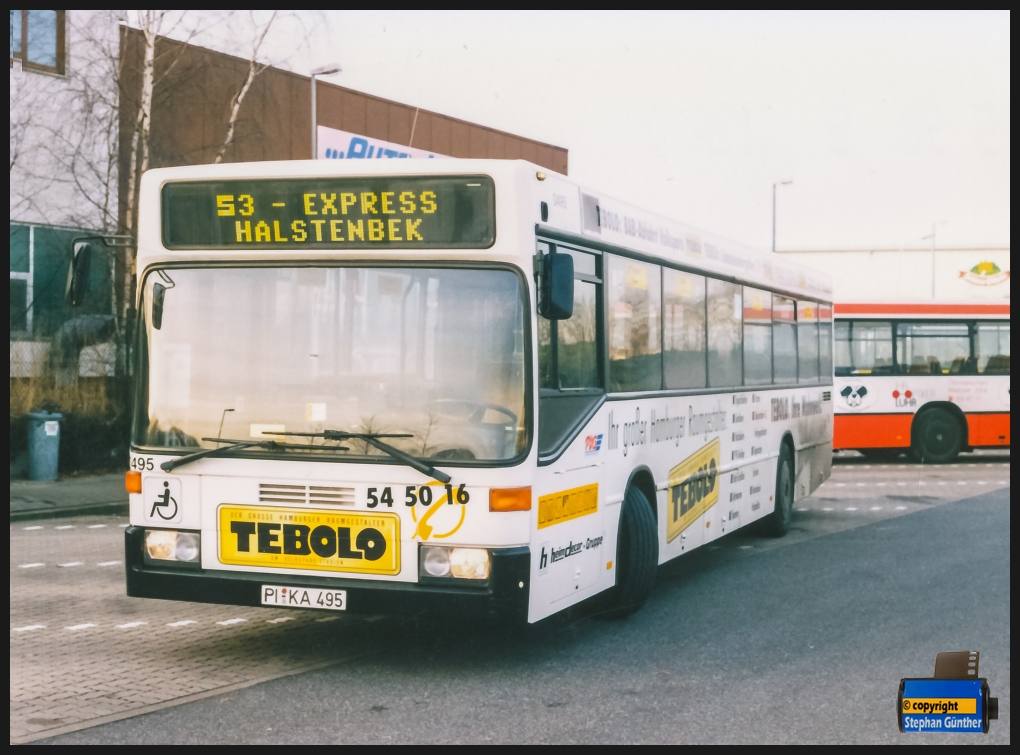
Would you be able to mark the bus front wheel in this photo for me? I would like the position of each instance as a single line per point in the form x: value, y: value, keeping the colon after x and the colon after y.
x: 777, y: 523
x: 637, y: 556
x: 936, y: 438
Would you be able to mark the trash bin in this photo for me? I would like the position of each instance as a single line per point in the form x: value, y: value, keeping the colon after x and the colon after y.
x: 43, y: 445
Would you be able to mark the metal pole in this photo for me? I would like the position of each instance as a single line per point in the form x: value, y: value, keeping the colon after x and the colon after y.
x: 773, y: 218
x: 315, y: 118
x: 933, y: 261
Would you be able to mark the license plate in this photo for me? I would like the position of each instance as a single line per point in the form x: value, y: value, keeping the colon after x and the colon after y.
x: 304, y: 597
x: 309, y: 539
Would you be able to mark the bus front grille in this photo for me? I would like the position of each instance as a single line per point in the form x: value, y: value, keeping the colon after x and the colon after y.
x: 314, y: 495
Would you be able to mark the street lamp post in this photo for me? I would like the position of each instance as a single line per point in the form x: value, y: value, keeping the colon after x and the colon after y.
x: 777, y: 183
x: 320, y: 71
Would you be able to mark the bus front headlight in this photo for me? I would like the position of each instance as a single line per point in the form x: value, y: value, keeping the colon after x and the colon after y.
x: 171, y: 545
x: 459, y: 563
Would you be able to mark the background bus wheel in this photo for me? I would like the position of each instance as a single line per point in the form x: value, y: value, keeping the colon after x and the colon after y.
x: 637, y: 556
x: 777, y: 523
x: 936, y: 438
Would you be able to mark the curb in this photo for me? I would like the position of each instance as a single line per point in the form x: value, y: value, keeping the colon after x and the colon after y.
x: 59, y: 512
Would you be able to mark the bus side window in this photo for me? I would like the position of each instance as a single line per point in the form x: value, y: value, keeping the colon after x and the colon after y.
x: 725, y: 314
x: 683, y: 330
x: 825, y: 342
x: 784, y: 340
x: 634, y: 313
x: 757, y: 337
x: 807, y: 342
x: 991, y: 347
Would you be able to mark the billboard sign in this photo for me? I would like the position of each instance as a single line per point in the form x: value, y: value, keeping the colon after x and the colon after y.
x: 335, y: 144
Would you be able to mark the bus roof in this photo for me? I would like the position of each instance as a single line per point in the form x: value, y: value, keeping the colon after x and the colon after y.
x: 921, y: 309
x: 575, y: 211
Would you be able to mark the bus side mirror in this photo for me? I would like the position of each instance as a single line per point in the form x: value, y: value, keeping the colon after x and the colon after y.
x: 158, y: 297
x: 556, y: 293
x: 78, y: 274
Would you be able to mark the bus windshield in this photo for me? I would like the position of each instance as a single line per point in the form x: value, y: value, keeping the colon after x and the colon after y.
x: 251, y: 352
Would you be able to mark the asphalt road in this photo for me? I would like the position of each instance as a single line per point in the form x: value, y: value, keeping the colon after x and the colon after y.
x: 802, y: 639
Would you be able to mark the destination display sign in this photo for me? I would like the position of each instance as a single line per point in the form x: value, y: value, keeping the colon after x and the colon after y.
x: 413, y: 212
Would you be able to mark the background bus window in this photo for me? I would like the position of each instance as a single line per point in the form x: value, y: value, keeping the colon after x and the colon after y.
x: 635, y: 306
x: 825, y: 341
x: 863, y: 348
x: 933, y: 348
x: 784, y: 340
x: 725, y: 366
x: 683, y: 329
x: 807, y: 342
x: 757, y: 337
x: 992, y: 349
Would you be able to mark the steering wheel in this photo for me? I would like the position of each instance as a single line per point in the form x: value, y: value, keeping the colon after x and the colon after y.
x: 474, y: 411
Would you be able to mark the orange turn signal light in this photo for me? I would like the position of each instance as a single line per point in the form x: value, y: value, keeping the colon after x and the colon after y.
x: 510, y: 499
x: 133, y: 482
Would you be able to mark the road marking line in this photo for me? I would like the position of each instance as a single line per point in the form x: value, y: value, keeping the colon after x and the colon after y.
x: 30, y: 628
x: 840, y: 484
x: 65, y: 527
x: 76, y: 627
x: 745, y: 547
x: 108, y: 563
x: 182, y: 623
x: 30, y: 566
x: 922, y: 482
x: 70, y: 563
x: 901, y: 484
x: 901, y: 508
x: 131, y: 624
x: 33, y: 527
x: 943, y: 482
x: 880, y: 484
x: 328, y: 618
x: 861, y: 484
x: 96, y: 526
x: 827, y: 508
x: 982, y: 482
x: 280, y: 620
x: 962, y: 482
x: 875, y: 508
x: 851, y: 508
x: 228, y: 622
x: 124, y: 526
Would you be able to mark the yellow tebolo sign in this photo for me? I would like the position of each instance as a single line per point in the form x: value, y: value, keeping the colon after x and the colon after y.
x: 311, y: 539
x: 693, y: 488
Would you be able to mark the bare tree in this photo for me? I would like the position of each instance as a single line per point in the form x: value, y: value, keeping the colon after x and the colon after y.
x: 254, y: 69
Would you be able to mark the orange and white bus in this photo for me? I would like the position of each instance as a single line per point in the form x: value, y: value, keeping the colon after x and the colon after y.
x: 930, y: 378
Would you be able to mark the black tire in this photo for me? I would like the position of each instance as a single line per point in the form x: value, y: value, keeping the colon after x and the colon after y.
x: 937, y: 437
x: 777, y: 523
x: 637, y: 556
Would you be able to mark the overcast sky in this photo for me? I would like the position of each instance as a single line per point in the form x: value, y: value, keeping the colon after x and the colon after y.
x: 885, y: 122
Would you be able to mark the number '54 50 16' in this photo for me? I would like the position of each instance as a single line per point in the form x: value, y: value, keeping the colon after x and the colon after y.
x: 414, y: 494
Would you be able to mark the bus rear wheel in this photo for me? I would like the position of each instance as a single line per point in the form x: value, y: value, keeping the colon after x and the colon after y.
x: 936, y: 438
x: 637, y: 556
x: 777, y: 523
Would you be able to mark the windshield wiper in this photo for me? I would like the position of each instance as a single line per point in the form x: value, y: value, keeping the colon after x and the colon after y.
x: 373, y: 439
x: 232, y: 445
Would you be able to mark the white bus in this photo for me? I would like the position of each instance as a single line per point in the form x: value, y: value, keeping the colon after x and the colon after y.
x: 428, y: 385
x: 927, y: 377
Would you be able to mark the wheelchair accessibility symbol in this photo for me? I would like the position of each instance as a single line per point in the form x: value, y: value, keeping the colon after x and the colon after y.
x: 164, y: 505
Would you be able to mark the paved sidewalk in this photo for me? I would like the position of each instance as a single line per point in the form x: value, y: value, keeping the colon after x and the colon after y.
x: 72, y: 496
